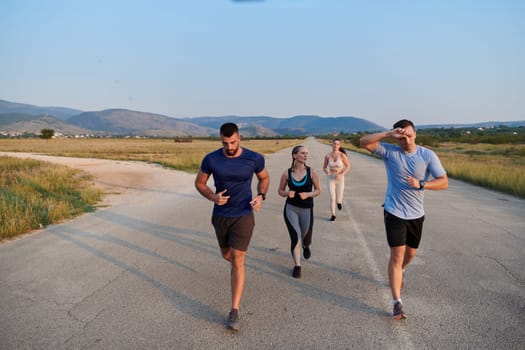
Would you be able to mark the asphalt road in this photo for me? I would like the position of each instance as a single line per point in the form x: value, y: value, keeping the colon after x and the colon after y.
x: 144, y: 272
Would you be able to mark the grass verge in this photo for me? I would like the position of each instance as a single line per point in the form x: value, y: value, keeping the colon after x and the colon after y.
x: 34, y: 194
x: 185, y: 156
x: 496, y: 167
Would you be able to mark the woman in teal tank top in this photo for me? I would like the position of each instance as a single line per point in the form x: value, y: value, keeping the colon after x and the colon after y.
x: 299, y: 185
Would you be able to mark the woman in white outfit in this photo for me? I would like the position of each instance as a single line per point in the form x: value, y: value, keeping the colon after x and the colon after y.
x: 336, y: 165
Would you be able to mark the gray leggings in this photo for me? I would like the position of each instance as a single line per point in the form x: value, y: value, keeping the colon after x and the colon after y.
x: 299, y: 222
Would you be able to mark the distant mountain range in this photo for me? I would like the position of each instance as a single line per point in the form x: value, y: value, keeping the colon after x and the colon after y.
x: 18, y: 117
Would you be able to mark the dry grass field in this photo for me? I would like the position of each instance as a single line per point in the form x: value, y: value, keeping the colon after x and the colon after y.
x: 176, y: 155
x: 34, y: 194
x: 498, y: 167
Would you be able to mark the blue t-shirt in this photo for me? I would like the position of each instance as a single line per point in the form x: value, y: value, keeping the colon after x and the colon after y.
x: 235, y: 175
x: 402, y: 200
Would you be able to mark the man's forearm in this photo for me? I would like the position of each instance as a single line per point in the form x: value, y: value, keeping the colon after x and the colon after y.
x: 371, y: 141
x: 262, y: 186
x: 206, y: 192
x: 373, y: 138
x: 440, y: 183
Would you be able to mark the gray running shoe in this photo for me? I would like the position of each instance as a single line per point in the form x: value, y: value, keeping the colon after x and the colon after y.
x: 233, y: 320
x: 398, y: 313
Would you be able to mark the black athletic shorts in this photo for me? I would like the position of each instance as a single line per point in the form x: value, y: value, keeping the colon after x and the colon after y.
x: 234, y: 232
x: 403, y: 232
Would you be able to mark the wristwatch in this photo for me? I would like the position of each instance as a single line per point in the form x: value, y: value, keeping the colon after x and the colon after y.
x: 421, y: 184
x: 263, y: 195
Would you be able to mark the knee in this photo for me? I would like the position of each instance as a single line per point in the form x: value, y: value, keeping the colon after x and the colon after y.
x: 396, y: 258
x: 237, y: 259
x: 226, y: 254
x: 410, y: 254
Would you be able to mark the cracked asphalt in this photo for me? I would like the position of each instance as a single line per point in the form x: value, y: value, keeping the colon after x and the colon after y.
x: 144, y: 270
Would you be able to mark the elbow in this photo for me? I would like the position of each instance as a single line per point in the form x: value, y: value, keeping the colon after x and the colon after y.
x: 198, y: 186
x: 366, y: 145
x: 364, y: 141
x: 444, y: 183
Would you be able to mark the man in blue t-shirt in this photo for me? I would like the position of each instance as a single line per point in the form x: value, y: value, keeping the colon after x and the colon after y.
x: 232, y: 168
x: 410, y: 170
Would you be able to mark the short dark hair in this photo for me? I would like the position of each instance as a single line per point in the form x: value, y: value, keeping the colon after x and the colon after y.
x: 403, y: 123
x: 228, y: 129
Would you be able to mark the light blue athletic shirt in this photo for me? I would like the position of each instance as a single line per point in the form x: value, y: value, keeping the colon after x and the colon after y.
x: 402, y: 200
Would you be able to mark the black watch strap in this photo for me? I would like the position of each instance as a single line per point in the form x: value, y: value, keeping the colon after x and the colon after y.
x: 263, y: 195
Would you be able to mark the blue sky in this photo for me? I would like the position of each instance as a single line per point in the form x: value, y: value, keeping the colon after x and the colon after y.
x: 435, y: 61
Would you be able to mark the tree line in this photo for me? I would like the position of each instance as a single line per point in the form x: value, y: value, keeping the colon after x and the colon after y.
x: 434, y: 136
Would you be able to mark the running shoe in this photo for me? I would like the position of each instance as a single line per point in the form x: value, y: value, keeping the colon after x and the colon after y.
x: 306, y: 252
x: 233, y: 320
x: 398, y: 313
x: 296, y: 272
x: 339, y: 206
x: 332, y: 218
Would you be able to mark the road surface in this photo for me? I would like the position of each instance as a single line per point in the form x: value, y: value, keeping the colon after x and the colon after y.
x: 144, y: 270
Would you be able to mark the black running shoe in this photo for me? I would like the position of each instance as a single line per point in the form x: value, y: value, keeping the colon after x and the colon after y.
x: 332, y: 218
x: 296, y: 272
x: 339, y: 206
x: 398, y: 313
x: 306, y: 252
x: 233, y: 320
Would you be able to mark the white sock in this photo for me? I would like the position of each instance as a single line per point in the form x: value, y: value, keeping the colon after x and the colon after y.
x: 397, y: 301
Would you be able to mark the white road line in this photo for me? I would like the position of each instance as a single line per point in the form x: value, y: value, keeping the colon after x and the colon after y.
x: 400, y: 331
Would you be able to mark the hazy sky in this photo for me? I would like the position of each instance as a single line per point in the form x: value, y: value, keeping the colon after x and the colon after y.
x: 434, y: 61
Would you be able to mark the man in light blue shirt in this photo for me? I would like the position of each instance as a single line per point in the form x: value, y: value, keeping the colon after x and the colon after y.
x: 410, y: 169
